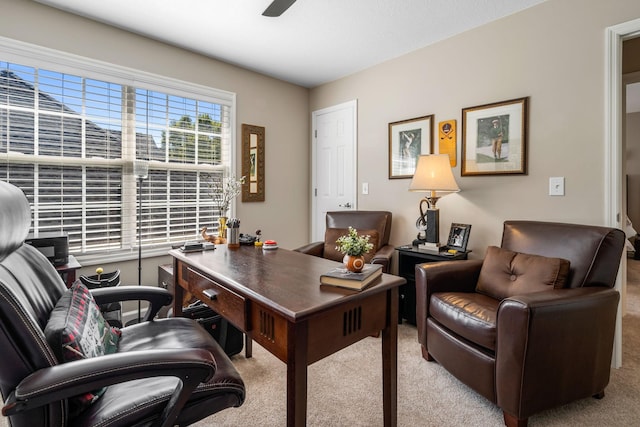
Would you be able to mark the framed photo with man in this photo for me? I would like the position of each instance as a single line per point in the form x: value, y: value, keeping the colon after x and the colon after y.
x: 459, y: 237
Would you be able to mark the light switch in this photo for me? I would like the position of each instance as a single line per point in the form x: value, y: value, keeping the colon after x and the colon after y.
x: 365, y: 188
x: 556, y: 186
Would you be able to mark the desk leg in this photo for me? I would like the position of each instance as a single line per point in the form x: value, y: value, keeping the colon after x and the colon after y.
x: 297, y: 374
x: 178, y: 292
x: 248, y: 345
x: 390, y: 361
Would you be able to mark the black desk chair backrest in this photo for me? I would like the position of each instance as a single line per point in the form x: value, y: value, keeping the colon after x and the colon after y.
x: 164, y: 372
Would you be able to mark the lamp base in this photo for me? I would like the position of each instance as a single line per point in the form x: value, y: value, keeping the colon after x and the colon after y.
x: 433, y: 226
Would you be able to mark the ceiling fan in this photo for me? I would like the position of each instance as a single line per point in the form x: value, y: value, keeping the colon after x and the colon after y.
x: 277, y: 8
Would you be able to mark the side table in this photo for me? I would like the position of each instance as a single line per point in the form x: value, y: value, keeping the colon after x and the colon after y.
x: 68, y: 271
x: 408, y: 257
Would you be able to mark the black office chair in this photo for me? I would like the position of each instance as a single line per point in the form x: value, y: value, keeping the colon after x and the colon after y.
x: 162, y: 373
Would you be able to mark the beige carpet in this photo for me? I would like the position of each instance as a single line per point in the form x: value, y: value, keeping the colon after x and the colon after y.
x: 345, y: 389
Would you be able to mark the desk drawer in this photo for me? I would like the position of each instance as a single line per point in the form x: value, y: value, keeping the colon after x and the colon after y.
x: 230, y: 305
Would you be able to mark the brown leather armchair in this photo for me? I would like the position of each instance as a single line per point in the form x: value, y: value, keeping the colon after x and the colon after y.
x: 527, y: 332
x: 375, y: 223
x: 164, y: 372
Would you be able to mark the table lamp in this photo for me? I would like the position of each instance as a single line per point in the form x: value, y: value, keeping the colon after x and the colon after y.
x: 433, y: 175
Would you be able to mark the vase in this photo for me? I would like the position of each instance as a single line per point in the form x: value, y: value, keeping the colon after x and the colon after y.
x: 222, y: 227
x: 354, y: 263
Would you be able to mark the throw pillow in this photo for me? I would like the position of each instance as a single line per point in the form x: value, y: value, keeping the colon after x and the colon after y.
x: 505, y: 273
x: 332, y: 234
x: 77, y: 330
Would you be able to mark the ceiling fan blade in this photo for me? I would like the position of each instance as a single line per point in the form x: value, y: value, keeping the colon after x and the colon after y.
x: 277, y: 8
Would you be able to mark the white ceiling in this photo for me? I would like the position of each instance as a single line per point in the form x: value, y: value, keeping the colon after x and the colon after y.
x: 313, y: 42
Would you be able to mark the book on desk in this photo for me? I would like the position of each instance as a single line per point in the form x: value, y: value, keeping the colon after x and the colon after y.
x: 344, y: 278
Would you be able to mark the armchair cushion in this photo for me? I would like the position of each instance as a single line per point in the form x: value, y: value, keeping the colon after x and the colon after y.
x: 506, y: 273
x: 332, y: 234
x: 77, y: 330
x: 470, y: 315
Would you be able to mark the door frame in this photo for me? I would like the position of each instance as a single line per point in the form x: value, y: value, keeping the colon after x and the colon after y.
x: 614, y: 200
x: 353, y: 105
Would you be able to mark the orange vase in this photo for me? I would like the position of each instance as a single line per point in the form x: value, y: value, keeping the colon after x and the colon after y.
x: 353, y: 263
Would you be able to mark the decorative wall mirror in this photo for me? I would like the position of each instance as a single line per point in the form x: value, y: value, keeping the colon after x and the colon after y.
x: 253, y: 163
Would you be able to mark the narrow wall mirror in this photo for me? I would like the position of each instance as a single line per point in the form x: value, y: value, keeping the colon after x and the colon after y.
x: 253, y: 163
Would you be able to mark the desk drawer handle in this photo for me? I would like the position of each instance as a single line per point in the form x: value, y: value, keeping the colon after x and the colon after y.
x: 211, y: 294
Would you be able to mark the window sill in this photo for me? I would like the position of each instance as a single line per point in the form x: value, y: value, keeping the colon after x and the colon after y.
x: 102, y: 258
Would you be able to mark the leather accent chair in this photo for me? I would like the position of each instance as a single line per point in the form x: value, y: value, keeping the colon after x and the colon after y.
x: 537, y: 348
x: 165, y: 372
x: 363, y: 221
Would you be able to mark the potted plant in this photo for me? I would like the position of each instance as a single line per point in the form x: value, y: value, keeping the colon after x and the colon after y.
x: 354, y: 246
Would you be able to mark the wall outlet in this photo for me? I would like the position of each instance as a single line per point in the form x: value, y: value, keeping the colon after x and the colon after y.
x: 556, y: 186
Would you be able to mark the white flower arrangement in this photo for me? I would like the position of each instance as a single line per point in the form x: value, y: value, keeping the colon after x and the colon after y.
x: 224, y: 190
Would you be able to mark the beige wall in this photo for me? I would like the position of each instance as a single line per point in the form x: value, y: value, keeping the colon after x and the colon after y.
x: 280, y: 107
x: 553, y: 53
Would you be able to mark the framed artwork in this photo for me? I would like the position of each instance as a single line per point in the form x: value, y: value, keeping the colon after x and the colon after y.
x: 494, y: 138
x: 408, y: 139
x: 253, y: 163
x: 447, y: 140
x: 459, y: 237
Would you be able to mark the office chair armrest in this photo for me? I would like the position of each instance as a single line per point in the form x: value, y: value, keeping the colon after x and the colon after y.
x: 63, y: 381
x: 315, y: 249
x: 157, y: 297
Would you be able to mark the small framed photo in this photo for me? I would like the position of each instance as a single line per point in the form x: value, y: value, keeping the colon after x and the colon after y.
x: 408, y: 139
x: 494, y: 138
x: 459, y: 237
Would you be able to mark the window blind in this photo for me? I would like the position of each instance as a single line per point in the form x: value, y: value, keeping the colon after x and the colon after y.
x: 69, y: 142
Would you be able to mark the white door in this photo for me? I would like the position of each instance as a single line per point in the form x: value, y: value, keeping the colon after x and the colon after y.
x: 334, y: 136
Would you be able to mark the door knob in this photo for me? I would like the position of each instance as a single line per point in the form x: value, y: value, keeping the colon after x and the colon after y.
x: 346, y: 205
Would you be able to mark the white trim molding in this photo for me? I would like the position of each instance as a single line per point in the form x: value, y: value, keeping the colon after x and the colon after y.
x: 613, y: 205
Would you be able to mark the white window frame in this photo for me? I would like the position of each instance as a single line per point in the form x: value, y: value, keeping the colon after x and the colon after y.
x: 40, y: 57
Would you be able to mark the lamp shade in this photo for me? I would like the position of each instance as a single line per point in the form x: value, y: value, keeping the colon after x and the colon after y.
x: 433, y: 173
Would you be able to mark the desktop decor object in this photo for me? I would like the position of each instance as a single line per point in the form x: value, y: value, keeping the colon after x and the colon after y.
x: 233, y: 234
x: 343, y: 278
x: 433, y: 176
x: 354, y: 246
x: 223, y: 190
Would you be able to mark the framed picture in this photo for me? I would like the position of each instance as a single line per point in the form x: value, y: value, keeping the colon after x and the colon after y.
x: 253, y: 163
x: 494, y: 138
x: 408, y: 139
x: 459, y: 237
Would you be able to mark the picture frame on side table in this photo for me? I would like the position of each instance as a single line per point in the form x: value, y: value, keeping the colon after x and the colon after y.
x: 408, y: 139
x: 459, y: 237
x: 494, y: 138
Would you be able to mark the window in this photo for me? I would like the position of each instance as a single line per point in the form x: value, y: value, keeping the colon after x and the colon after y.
x: 69, y: 137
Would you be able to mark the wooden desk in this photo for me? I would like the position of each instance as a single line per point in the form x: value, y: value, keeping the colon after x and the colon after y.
x: 276, y: 298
